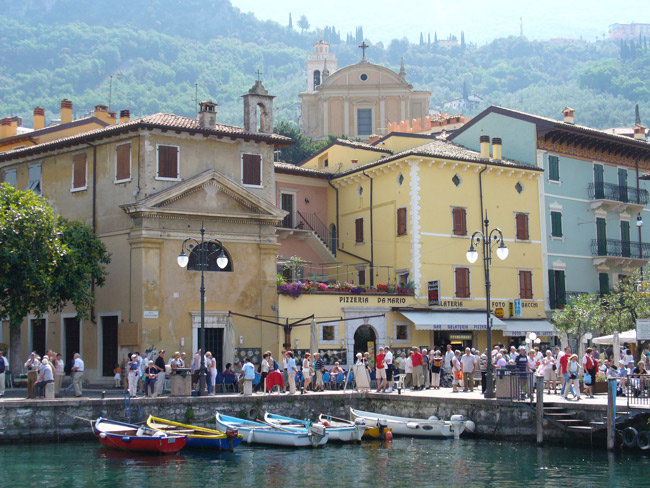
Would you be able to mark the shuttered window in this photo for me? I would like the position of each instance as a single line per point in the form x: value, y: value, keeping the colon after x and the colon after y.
x: 521, y: 220
x: 401, y: 221
x: 79, y: 171
x: 362, y: 277
x: 123, y: 162
x: 525, y: 284
x: 554, y: 168
x: 462, y: 282
x: 10, y: 177
x: 252, y: 169
x: 358, y: 230
x: 168, y: 162
x: 459, y: 220
x: 556, y: 224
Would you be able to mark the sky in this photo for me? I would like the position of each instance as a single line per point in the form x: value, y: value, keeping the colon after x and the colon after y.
x: 481, y: 20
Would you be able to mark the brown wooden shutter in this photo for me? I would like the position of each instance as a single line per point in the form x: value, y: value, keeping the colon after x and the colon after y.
x: 123, y: 170
x: 522, y: 227
x: 401, y: 221
x: 362, y: 277
x: 462, y: 282
x: 79, y: 171
x: 252, y: 169
x: 459, y: 221
x: 358, y: 230
x: 167, y: 162
x: 526, y: 284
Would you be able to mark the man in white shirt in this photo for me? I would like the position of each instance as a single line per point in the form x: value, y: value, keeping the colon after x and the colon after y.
x: 449, y: 356
x: 4, y: 367
x: 468, y: 362
x: 390, y: 368
x: 78, y: 368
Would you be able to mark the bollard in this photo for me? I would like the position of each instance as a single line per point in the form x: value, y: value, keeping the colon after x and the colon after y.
x: 539, y: 380
x: 103, y: 395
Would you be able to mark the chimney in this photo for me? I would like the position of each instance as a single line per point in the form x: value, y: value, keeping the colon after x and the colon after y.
x: 373, y: 138
x: 485, y: 147
x: 568, y: 114
x: 639, y: 132
x: 207, y: 115
x: 39, y: 118
x: 496, y: 148
x: 125, y: 116
x: 66, y: 111
x: 5, y: 128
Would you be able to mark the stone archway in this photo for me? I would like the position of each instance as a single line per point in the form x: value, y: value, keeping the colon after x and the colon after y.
x: 355, y: 320
x: 362, y: 336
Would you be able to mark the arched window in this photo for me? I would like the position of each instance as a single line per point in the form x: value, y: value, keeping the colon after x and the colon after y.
x: 213, y: 254
x: 316, y: 78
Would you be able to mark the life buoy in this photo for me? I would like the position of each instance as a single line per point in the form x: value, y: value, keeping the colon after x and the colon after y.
x: 643, y: 440
x: 629, y: 436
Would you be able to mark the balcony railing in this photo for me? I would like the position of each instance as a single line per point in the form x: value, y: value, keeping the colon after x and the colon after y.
x: 619, y: 248
x: 617, y: 193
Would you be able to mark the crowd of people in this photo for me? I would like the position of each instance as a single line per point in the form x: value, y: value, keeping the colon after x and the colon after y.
x: 51, y: 368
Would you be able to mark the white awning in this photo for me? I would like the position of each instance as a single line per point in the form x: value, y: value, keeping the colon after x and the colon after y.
x: 525, y: 327
x: 429, y: 320
x: 627, y: 336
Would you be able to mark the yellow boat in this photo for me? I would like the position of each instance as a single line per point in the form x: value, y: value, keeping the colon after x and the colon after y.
x: 198, y: 437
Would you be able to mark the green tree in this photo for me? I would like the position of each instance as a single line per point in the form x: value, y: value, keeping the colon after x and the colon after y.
x: 581, y: 315
x: 303, y: 146
x: 46, y: 262
x: 303, y: 23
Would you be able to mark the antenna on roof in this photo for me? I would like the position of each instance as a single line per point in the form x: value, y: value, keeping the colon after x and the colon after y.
x: 117, y: 75
x: 196, y: 96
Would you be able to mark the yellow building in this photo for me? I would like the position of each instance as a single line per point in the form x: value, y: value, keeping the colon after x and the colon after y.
x: 407, y: 219
x: 145, y: 186
x: 14, y: 136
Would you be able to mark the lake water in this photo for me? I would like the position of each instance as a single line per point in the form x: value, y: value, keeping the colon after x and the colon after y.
x: 403, y: 463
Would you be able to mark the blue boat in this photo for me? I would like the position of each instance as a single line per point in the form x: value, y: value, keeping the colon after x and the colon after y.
x: 199, y: 437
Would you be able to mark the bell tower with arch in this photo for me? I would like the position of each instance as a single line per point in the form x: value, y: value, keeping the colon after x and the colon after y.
x: 318, y: 62
x: 258, y: 109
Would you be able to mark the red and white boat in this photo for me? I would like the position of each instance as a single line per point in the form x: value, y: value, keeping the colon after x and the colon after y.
x: 128, y: 437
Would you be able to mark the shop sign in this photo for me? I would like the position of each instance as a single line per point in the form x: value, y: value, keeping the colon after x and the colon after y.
x: 434, y: 293
x: 499, y: 313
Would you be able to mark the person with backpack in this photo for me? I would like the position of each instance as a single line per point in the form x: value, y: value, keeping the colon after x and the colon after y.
x: 436, y: 366
x: 4, y: 367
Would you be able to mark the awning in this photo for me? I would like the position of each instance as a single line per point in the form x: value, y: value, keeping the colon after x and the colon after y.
x: 525, y: 327
x: 627, y: 336
x: 429, y: 320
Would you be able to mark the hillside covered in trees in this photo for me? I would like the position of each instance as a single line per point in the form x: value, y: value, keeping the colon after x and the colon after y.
x: 160, y: 55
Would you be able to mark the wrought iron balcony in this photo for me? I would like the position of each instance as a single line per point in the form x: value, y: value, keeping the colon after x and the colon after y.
x: 618, y: 193
x: 620, y: 249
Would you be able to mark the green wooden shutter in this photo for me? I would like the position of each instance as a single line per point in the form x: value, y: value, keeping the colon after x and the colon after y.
x: 625, y: 238
x: 560, y: 289
x: 603, y: 282
x: 556, y: 224
x: 599, y: 181
x: 553, y: 168
x: 551, y: 289
x: 601, y: 236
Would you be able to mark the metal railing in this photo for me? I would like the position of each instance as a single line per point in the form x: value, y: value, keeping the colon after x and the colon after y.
x: 637, y: 390
x: 619, y: 248
x: 308, y: 221
x: 617, y: 193
x: 335, y: 272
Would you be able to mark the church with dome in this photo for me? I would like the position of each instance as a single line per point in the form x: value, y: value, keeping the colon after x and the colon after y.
x: 356, y: 101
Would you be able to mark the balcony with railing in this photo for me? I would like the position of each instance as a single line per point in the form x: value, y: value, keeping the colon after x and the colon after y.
x: 617, y: 252
x: 617, y: 198
x: 308, y: 226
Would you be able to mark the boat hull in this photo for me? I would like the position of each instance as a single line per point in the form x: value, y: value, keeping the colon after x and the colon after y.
x: 198, y: 437
x: 258, y: 433
x: 403, y: 426
x: 118, y: 435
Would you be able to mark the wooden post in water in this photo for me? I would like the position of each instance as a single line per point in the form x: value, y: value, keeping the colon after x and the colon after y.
x: 539, y: 381
x: 611, y: 414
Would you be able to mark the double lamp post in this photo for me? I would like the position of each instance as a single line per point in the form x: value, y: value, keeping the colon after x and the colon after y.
x: 488, y: 239
x: 203, y: 251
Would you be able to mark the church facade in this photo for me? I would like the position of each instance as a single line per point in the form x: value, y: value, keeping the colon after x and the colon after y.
x: 358, y: 101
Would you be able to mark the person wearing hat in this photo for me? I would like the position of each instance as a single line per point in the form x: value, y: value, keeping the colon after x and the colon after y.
x: 133, y: 367
x: 150, y: 378
x: 574, y: 376
x: 436, y: 366
x: 32, y: 366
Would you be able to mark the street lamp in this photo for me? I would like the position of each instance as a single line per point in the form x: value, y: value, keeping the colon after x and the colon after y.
x: 487, y: 238
x: 204, y: 250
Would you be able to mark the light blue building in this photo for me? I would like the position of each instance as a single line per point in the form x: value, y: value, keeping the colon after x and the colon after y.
x: 594, y: 202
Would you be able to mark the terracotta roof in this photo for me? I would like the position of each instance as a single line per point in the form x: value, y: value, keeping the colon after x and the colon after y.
x: 446, y: 150
x: 288, y: 168
x: 361, y: 145
x: 155, y: 121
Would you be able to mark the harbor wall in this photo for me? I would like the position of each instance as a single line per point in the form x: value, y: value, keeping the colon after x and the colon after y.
x: 54, y: 420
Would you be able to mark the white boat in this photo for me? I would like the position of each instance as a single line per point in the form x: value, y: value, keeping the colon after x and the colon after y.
x: 264, y: 433
x: 431, y: 427
x: 337, y: 429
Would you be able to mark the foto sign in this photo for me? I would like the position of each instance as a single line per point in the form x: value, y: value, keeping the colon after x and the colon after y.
x: 643, y: 329
x: 434, y: 293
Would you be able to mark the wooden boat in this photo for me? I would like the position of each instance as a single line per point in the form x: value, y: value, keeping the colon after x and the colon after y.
x: 413, y: 427
x: 263, y: 433
x: 369, y: 430
x: 128, y: 437
x: 198, y: 437
x: 338, y: 429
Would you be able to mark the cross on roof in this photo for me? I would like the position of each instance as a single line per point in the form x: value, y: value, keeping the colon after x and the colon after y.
x: 364, y: 46
x: 258, y: 74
